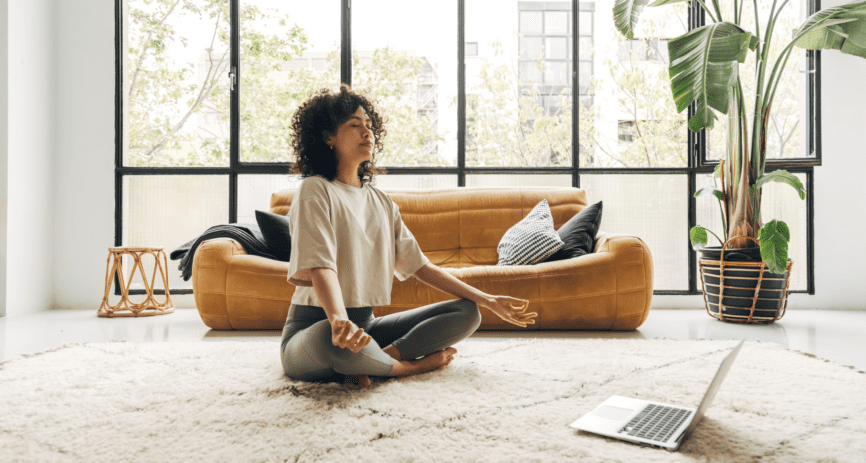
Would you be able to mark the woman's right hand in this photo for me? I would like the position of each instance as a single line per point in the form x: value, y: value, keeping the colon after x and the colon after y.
x: 346, y: 335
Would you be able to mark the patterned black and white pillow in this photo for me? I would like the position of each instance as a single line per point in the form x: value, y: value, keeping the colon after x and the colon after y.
x: 531, y: 240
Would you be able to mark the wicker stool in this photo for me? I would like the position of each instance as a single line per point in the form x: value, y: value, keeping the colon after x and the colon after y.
x: 149, y: 306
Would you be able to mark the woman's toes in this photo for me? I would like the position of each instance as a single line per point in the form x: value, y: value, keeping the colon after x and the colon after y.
x: 362, y: 381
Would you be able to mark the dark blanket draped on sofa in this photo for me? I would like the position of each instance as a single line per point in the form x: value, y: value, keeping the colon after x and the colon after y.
x: 247, y: 234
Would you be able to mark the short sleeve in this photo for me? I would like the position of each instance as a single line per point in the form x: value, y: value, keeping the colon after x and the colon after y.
x: 408, y: 256
x: 314, y: 242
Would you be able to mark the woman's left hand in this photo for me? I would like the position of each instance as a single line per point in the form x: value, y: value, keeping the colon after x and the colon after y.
x: 510, y: 309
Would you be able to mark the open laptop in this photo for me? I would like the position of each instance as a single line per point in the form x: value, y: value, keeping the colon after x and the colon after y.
x: 652, y: 423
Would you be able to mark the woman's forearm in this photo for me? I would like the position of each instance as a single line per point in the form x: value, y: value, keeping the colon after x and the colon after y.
x: 327, y: 288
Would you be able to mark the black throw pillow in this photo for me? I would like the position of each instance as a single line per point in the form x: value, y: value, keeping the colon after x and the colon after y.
x: 579, y: 234
x: 275, y: 229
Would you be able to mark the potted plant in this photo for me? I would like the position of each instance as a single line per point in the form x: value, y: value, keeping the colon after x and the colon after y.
x: 704, y: 72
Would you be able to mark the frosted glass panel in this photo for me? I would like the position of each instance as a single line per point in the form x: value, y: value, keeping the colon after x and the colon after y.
x: 779, y: 202
x: 502, y: 180
x: 410, y: 182
x: 167, y: 211
x: 653, y: 208
x: 254, y: 193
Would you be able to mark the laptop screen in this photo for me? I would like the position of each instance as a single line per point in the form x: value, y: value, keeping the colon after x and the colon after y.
x: 714, y: 387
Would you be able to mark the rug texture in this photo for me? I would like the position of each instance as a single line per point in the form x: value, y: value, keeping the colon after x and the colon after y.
x: 498, y: 401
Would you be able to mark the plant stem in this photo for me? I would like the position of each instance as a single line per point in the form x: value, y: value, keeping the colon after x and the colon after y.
x: 757, y: 29
x: 718, y: 9
x: 724, y: 204
x: 708, y: 11
x: 717, y: 236
x: 758, y: 121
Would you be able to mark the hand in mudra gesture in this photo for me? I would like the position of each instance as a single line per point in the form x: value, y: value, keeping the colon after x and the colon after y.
x: 347, y: 335
x: 510, y: 309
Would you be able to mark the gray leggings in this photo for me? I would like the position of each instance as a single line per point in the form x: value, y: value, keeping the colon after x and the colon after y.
x: 308, y: 354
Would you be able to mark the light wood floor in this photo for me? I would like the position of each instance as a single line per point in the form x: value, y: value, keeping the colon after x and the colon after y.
x: 835, y: 335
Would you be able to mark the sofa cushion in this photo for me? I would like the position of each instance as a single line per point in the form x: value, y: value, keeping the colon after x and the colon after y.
x: 578, y: 234
x: 275, y: 229
x: 531, y: 240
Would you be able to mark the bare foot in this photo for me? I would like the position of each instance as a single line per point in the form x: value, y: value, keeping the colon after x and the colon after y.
x: 435, y: 360
x: 357, y: 381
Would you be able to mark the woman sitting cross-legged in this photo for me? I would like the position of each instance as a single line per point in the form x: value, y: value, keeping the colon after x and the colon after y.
x: 348, y: 242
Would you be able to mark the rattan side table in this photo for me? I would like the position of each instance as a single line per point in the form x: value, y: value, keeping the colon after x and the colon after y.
x: 149, y: 306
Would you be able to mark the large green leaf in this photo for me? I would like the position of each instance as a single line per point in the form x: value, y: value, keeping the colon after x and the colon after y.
x: 625, y: 15
x: 704, y: 69
x: 774, y: 238
x: 840, y: 28
x: 782, y: 176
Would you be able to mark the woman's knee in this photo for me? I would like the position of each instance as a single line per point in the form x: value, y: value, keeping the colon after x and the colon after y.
x: 471, y: 312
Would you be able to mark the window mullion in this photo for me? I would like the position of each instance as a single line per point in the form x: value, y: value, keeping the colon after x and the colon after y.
x: 346, y: 42
x: 234, y: 109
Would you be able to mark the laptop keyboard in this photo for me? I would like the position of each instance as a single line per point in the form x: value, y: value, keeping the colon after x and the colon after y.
x: 656, y: 422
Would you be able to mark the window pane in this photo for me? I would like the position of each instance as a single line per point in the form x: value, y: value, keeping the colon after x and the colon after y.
x: 653, y: 208
x: 285, y: 52
x: 529, y: 72
x: 584, y: 73
x: 410, y: 66
x: 530, y: 22
x: 556, y: 22
x: 521, y: 114
x: 779, y: 202
x: 530, y: 48
x: 584, y: 22
x: 556, y: 73
x: 176, y: 85
x: 787, y: 134
x: 555, y: 48
x: 629, y: 85
x: 471, y: 49
x: 583, y: 46
x: 168, y: 211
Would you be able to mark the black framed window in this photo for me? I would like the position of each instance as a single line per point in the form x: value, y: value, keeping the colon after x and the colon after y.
x: 478, y: 93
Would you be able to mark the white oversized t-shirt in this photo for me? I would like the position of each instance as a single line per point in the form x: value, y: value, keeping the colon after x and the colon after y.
x: 357, y: 232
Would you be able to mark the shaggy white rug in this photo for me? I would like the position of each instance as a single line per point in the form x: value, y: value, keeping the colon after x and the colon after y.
x: 498, y: 401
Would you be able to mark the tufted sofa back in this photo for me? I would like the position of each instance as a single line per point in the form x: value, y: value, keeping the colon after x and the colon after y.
x: 461, y: 226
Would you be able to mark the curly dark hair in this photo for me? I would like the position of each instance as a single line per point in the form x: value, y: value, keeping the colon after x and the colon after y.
x: 317, y: 118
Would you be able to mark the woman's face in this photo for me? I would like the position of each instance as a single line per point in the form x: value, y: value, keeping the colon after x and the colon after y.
x: 353, y: 141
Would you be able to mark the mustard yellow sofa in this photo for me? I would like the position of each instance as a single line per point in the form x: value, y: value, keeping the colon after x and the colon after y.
x: 459, y: 230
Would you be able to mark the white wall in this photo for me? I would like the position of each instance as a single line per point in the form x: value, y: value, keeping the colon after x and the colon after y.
x: 4, y: 146
x: 84, y: 193
x: 28, y: 155
x: 68, y: 199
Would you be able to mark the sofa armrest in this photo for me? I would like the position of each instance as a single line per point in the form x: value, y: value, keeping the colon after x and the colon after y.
x: 210, y: 266
x: 634, y: 276
x: 236, y: 290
